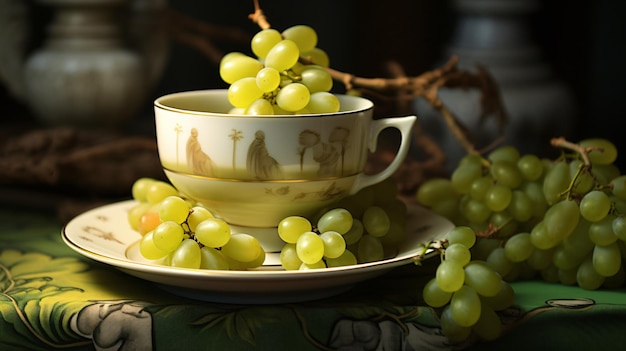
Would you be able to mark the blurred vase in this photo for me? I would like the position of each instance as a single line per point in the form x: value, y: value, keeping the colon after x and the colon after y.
x: 83, y: 76
x: 496, y: 34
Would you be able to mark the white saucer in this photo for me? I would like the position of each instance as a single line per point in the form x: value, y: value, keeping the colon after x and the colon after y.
x: 103, y: 234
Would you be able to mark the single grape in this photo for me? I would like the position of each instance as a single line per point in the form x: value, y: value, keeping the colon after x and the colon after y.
x: 451, y: 329
x: 505, y: 172
x: 334, y: 244
x: 498, y: 261
x: 464, y: 175
x: 158, y: 191
x: 488, y: 327
x: 459, y: 253
x: 506, y: 153
x: 316, y: 265
x: 521, y: 206
x: 561, y: 219
x: 465, y: 306
x: 242, y: 247
x: 587, y: 277
x: 293, y: 97
x: 213, y: 232
x: 283, y: 55
x: 290, y: 228
x: 268, y: 79
x: 434, y: 190
x: 148, y: 222
x: 187, y: 255
x: 316, y: 78
x: 370, y: 249
x: 310, y: 248
x: 478, y: 188
x: 484, y: 280
x: 235, y: 66
x: 338, y: 220
x: 619, y: 187
x: 211, y: 258
x: 504, y: 299
x: 304, y: 36
x: 619, y: 227
x: 316, y: 56
x: 475, y: 211
x: 167, y: 236
x: 243, y: 92
x: 530, y: 166
x: 197, y: 215
x: 259, y: 107
x: 607, y: 259
x: 323, y: 102
x: 263, y: 41
x: 148, y: 249
x: 463, y: 235
x: 289, y: 257
x: 450, y: 276
x: 434, y: 296
x: 140, y: 188
x: 604, y: 151
x: 347, y: 258
x: 174, y: 208
x: 555, y: 182
x: 518, y: 247
x: 376, y: 221
x: 498, y: 197
x: 595, y: 205
x: 601, y: 232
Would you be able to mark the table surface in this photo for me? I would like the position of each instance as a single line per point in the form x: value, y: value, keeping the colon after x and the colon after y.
x: 54, y: 298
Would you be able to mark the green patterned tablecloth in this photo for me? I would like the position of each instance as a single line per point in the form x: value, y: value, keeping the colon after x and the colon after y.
x: 52, y: 298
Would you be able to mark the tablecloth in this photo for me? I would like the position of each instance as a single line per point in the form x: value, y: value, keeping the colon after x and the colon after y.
x: 52, y: 298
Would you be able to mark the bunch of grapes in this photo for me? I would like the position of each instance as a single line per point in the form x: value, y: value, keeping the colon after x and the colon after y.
x: 286, y: 76
x: 185, y: 234
x: 364, y: 227
x: 468, y: 291
x: 562, y: 219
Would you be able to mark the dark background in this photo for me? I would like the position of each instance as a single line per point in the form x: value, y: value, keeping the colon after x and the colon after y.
x: 583, y: 42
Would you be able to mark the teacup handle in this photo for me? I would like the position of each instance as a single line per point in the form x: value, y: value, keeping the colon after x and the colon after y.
x: 405, y: 126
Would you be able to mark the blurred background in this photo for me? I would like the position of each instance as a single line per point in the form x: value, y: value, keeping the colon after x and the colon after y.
x: 560, y: 65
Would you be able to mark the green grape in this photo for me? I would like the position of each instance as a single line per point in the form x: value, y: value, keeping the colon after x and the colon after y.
x: 605, y: 173
x: 263, y: 41
x: 376, y: 221
x: 140, y: 188
x: 541, y: 238
x: 304, y: 36
x: 211, y: 258
x: 283, y: 55
x: 587, y: 277
x: 451, y: 329
x: 475, y: 211
x: 242, y: 247
x: 187, y: 255
x: 293, y: 97
x: 605, y: 154
x: 317, y: 56
x: 334, y: 244
x: 464, y: 175
x: 498, y: 261
x: 506, y: 173
x: 289, y: 257
x: 316, y: 78
x: 488, y: 327
x: 619, y: 227
x: 235, y: 66
x: 148, y: 249
x: 338, y: 220
x: 534, y: 191
x: 601, y: 232
x: 173, y: 208
x: 435, y: 190
x: 484, y: 280
x: 555, y: 182
x: 506, y: 224
x: 158, y: 191
x: 565, y: 260
x: 504, y: 153
x: 531, y: 167
x: 135, y: 214
x: 347, y: 258
x: 504, y: 299
x: 450, y: 276
x: 197, y: 215
x: 256, y: 262
x: 498, y: 197
x: 478, y: 188
x: 316, y: 265
x: 584, y: 179
x: 578, y: 243
x: 518, y: 247
x: 521, y: 206
x: 213, y: 232
x: 259, y: 107
x: 459, y: 253
x: 434, y: 296
x: 607, y: 259
x: 323, y: 102
x: 167, y: 236
x: 310, y: 248
x: 484, y: 247
x: 268, y: 79
x: 619, y: 187
x: 369, y: 249
x: 465, y: 306
x: 561, y: 219
x: 355, y: 233
x: 463, y: 235
x: 243, y: 92
x: 595, y: 205
x: 290, y: 228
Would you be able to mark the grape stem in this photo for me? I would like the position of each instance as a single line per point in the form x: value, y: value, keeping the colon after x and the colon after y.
x: 438, y: 245
x: 584, y: 154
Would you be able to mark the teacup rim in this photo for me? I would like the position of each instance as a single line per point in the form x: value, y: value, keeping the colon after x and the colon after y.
x: 158, y: 104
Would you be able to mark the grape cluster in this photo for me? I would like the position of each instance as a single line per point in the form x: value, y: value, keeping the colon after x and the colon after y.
x: 561, y: 219
x: 286, y: 76
x: 364, y: 227
x: 185, y: 234
x: 469, y: 291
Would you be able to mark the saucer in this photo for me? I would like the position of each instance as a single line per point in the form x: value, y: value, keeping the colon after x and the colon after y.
x: 104, y: 235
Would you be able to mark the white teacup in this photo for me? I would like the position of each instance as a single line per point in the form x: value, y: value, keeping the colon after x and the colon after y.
x: 253, y: 171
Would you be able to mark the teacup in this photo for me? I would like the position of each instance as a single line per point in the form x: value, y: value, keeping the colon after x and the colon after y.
x: 253, y: 171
